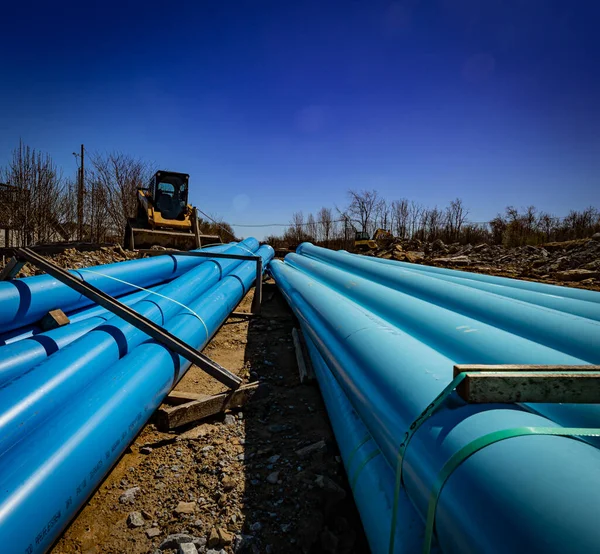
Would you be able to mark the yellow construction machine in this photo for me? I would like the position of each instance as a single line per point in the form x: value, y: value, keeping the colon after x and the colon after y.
x: 381, y: 238
x: 164, y: 217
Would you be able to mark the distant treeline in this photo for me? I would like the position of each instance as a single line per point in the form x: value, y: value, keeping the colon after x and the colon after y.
x: 38, y: 204
x: 367, y: 211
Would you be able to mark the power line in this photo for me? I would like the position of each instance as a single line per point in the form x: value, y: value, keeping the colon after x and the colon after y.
x: 272, y: 224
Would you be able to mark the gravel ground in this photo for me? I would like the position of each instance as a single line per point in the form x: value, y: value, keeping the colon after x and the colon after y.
x: 241, y: 482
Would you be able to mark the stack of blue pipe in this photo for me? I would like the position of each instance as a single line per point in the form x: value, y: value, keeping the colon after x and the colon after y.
x: 73, y: 399
x: 384, y: 337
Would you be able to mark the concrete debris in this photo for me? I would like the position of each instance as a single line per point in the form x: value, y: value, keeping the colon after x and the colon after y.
x: 128, y: 497
x: 185, y: 508
x: 173, y: 541
x: 187, y: 548
x: 225, y: 537
x: 135, y: 519
x: 311, y: 449
x: 71, y: 258
x: 213, y: 538
x: 273, y: 477
x: 561, y: 262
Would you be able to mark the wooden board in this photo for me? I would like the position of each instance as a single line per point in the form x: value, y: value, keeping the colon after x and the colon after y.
x: 170, y: 417
x: 565, y: 385
x: 302, y: 358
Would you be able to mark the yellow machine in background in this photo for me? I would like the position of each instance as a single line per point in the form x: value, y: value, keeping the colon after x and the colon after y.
x: 164, y: 217
x: 381, y: 238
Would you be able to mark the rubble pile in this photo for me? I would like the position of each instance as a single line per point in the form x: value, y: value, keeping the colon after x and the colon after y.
x: 576, y: 261
x: 71, y: 258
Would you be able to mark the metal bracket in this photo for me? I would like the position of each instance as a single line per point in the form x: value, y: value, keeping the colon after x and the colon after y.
x: 11, y: 269
x: 569, y: 384
x: 126, y: 313
x: 256, y: 301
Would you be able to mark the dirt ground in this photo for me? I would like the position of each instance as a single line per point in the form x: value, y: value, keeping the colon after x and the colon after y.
x: 234, y: 483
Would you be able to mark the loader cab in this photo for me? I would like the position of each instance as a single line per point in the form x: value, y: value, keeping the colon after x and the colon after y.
x: 170, y: 193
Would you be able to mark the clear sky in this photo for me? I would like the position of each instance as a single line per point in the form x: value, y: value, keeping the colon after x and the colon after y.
x: 280, y: 106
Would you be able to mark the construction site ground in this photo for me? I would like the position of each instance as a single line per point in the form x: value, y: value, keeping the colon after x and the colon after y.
x: 239, y: 482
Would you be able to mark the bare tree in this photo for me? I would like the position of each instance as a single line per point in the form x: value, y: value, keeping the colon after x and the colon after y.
x: 433, y: 221
x: 415, y: 212
x: 311, y: 227
x: 383, y: 215
x: 400, y: 215
x: 113, y: 180
x: 363, y: 207
x: 36, y: 185
x: 456, y: 215
x: 325, y: 218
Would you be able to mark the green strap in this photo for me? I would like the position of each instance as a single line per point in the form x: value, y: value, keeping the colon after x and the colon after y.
x: 427, y: 412
x: 363, y: 441
x: 474, y: 446
x: 372, y: 455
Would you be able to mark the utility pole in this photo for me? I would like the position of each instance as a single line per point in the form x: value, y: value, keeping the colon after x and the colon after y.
x: 80, y: 199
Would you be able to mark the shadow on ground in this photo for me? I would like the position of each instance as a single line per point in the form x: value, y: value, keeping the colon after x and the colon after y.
x: 297, y: 498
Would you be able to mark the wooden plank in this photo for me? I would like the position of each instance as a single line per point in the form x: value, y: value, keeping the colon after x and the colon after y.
x: 569, y: 387
x: 305, y: 368
x: 175, y: 397
x: 299, y: 356
x: 170, y: 417
x: 460, y: 368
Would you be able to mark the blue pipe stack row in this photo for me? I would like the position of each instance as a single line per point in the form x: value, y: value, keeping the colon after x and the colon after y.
x: 72, y: 399
x: 384, y: 337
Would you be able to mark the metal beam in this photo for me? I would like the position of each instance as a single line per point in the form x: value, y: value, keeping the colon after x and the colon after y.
x: 578, y: 384
x: 11, y: 269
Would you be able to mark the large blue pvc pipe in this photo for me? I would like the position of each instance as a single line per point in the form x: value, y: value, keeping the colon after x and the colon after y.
x: 543, y: 490
x: 27, y: 300
x: 19, y: 356
x: 29, y: 398
x: 538, y: 335
x: 48, y: 477
x: 370, y: 476
x: 552, y: 295
x: 86, y: 312
x: 434, y: 298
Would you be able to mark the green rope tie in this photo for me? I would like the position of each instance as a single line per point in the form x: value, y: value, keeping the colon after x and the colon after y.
x: 459, y: 457
x: 482, y: 442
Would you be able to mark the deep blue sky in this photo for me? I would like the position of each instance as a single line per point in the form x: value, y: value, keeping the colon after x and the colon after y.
x: 274, y: 107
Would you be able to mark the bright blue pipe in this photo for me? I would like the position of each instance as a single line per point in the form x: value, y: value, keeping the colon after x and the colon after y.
x: 29, y: 399
x: 571, y: 300
x: 521, y: 495
x: 371, y: 478
x: 48, y: 477
x: 576, y: 336
x: 553, y: 337
x: 80, y: 314
x: 27, y: 300
x: 19, y: 356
